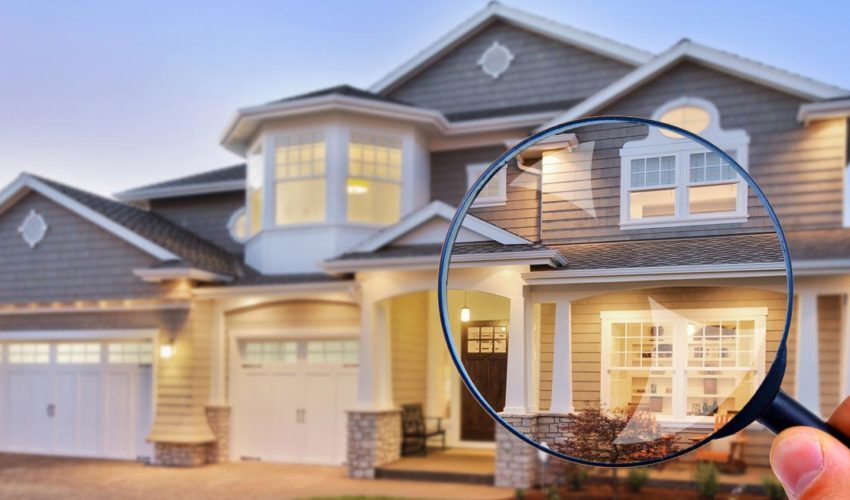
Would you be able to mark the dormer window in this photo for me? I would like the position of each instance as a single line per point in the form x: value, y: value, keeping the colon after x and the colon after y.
x: 300, y: 179
x: 663, y: 185
x: 374, y: 179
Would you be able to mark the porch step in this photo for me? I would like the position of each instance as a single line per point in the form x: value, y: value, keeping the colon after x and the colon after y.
x: 435, y: 476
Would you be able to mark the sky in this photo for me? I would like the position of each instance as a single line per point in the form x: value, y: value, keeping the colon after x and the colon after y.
x: 109, y: 95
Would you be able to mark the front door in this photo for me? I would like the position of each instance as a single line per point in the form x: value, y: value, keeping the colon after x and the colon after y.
x: 484, y: 353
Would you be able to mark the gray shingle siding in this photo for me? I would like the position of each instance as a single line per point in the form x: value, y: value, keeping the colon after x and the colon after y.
x: 206, y: 215
x: 448, y: 171
x: 76, y: 260
x: 543, y: 70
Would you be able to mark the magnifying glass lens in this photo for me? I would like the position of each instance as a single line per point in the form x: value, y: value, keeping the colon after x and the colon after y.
x: 615, y: 292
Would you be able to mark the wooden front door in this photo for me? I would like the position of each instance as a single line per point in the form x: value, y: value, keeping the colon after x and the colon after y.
x: 484, y: 352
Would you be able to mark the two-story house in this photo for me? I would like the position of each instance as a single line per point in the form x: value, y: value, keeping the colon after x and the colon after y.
x: 284, y: 308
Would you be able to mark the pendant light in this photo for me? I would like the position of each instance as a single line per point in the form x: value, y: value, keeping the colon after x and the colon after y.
x: 464, y: 311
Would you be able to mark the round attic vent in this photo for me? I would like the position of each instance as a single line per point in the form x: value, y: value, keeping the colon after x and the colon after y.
x: 495, y: 60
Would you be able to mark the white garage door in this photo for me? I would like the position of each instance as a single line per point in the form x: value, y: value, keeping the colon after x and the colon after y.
x: 289, y: 399
x: 89, y: 398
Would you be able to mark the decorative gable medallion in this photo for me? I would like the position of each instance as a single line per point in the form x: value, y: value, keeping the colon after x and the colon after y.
x: 33, y: 229
x: 496, y: 60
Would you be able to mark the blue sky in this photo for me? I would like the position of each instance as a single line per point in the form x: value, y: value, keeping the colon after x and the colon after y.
x: 108, y: 95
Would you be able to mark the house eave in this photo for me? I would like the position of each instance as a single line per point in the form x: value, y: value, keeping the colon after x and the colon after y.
x: 824, y: 110
x: 820, y: 267
x: 662, y: 273
x: 274, y: 289
x: 136, y: 195
x: 550, y: 258
x: 155, y: 275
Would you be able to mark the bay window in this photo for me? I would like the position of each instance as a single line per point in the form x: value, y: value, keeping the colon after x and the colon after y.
x: 683, y: 365
x: 373, y: 188
x: 299, y: 179
x: 254, y: 190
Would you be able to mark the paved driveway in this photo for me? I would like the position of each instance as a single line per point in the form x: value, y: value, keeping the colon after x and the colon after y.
x: 31, y: 477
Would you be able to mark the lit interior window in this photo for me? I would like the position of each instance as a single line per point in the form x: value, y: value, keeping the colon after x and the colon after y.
x: 652, y: 203
x: 373, y: 189
x: 254, y: 190
x: 691, y: 118
x: 300, y: 174
x: 29, y: 353
x: 78, y: 353
x: 134, y: 353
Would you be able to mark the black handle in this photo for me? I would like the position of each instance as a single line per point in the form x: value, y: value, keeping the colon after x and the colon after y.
x: 785, y: 412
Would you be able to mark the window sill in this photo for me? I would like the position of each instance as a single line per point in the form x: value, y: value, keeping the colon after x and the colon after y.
x: 487, y: 204
x: 735, y: 219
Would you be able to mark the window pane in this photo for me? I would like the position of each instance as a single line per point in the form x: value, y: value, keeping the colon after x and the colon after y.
x: 254, y: 190
x: 655, y: 203
x: 300, y: 201
x: 373, y: 202
x: 713, y: 199
x: 653, y: 171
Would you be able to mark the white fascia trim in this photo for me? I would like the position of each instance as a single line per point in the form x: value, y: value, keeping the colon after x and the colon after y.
x: 717, y: 59
x: 821, y: 266
x: 437, y: 209
x: 159, y: 275
x: 813, y: 111
x: 325, y: 103
x: 499, y: 123
x: 140, y: 334
x: 551, y: 258
x: 661, y: 273
x: 546, y: 27
x: 243, y: 291
x: 26, y: 181
x: 174, y: 191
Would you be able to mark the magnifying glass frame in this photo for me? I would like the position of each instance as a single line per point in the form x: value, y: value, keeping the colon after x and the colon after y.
x: 769, y: 387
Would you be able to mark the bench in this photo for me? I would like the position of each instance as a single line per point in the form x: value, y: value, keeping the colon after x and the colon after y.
x: 415, y: 431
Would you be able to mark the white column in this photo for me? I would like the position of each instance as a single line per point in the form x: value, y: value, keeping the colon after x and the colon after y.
x: 218, y: 365
x: 518, y: 396
x: 374, y: 378
x: 808, y: 376
x: 845, y: 346
x: 562, y: 373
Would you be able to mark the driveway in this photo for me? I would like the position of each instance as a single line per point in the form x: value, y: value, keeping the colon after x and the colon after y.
x: 35, y: 477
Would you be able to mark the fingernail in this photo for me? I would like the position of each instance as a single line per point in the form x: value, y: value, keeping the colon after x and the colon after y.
x: 797, y: 461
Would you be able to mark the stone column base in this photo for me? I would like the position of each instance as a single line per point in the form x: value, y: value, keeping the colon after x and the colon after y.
x: 516, y: 461
x: 180, y: 454
x: 374, y: 439
x: 218, y: 418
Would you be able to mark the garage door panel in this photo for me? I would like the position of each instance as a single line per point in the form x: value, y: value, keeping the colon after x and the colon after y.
x: 27, y: 403
x: 119, y: 411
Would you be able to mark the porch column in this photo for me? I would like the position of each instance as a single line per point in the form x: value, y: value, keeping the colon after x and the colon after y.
x: 374, y: 384
x: 562, y: 374
x: 519, y: 399
x: 808, y: 379
x: 844, y: 381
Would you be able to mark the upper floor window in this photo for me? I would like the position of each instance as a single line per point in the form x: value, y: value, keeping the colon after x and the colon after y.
x: 668, y: 180
x: 254, y: 190
x: 495, y: 192
x: 300, y: 179
x: 374, y: 179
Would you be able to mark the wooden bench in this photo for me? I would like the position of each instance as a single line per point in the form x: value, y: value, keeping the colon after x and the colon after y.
x: 415, y: 431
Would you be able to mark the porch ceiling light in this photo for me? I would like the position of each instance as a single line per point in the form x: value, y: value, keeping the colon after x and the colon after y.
x: 465, y: 313
x: 166, y: 351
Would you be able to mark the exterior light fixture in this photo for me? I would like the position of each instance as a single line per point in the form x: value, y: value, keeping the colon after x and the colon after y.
x: 166, y: 351
x: 464, y: 311
x: 691, y: 329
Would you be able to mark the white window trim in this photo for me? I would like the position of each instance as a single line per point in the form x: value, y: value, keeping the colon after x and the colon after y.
x: 657, y: 144
x: 679, y: 368
x: 231, y: 225
x: 473, y: 172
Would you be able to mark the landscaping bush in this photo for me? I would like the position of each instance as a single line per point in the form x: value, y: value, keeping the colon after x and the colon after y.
x: 773, y: 488
x: 636, y: 479
x: 519, y: 494
x: 706, y: 479
x: 552, y: 493
x: 576, y: 477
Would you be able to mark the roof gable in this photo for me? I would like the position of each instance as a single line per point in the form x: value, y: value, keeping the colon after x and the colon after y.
x: 430, y: 224
x: 496, y: 11
x: 725, y: 62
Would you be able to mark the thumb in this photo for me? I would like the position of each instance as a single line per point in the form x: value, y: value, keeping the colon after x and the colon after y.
x: 811, y: 464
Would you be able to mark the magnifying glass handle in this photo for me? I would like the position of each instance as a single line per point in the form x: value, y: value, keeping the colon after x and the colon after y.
x: 787, y: 412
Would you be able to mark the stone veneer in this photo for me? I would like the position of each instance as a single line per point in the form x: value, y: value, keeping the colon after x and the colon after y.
x: 516, y: 461
x: 219, y: 419
x: 181, y: 454
x: 374, y: 439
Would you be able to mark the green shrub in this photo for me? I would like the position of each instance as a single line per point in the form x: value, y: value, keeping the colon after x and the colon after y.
x: 773, y: 488
x: 519, y: 494
x: 706, y: 479
x: 552, y: 493
x: 636, y: 479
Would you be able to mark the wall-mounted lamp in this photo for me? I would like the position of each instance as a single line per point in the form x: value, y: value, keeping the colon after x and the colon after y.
x: 464, y: 311
x: 691, y: 329
x: 166, y: 350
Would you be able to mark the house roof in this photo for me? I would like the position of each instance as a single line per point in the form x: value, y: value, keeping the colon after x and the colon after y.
x: 346, y: 90
x: 230, y: 178
x: 685, y: 49
x: 496, y: 11
x: 171, y: 244
x: 733, y: 249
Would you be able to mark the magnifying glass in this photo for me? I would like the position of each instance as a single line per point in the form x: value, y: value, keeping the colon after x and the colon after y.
x: 621, y: 290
